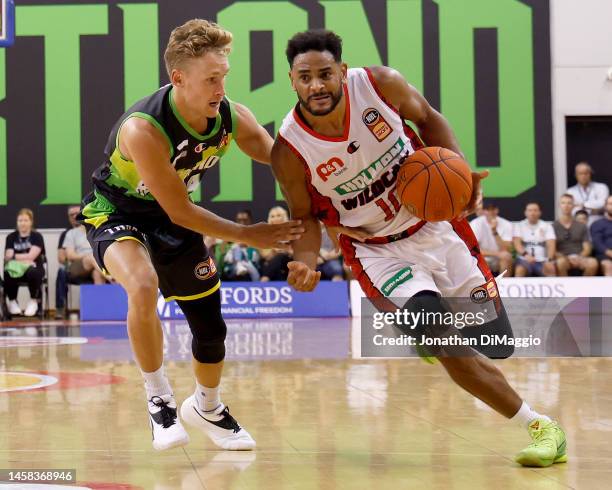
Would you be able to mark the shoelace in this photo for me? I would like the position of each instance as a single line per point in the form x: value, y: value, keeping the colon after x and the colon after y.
x: 168, y: 414
x: 537, y: 435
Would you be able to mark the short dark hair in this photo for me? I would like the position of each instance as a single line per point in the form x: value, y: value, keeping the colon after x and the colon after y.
x: 535, y: 203
x: 490, y: 206
x: 568, y: 195
x: 245, y: 211
x: 314, y: 40
x: 581, y: 211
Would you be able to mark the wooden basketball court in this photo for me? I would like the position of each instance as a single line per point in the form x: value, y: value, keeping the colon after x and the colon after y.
x: 73, y: 398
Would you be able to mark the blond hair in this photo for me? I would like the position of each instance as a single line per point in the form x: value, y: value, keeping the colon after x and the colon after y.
x: 193, y: 39
x: 27, y: 212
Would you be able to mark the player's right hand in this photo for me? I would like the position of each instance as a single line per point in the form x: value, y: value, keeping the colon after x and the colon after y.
x: 301, y: 277
x: 278, y: 236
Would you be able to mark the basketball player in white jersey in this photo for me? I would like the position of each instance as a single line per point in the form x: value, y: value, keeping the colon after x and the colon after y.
x: 336, y: 158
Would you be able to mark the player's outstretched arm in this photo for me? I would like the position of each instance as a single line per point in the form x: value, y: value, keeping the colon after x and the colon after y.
x: 146, y: 147
x: 251, y: 137
x: 289, y: 172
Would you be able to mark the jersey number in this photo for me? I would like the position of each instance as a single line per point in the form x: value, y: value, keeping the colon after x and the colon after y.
x: 382, y: 204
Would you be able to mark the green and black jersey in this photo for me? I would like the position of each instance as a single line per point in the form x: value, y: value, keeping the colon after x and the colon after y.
x: 191, y: 154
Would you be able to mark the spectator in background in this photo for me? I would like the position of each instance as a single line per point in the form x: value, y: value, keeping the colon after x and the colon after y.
x: 494, y: 235
x: 581, y: 216
x: 601, y: 234
x: 573, y: 245
x: 61, y: 281
x: 329, y: 261
x: 218, y: 249
x: 588, y: 195
x: 274, y: 262
x: 81, y: 264
x: 73, y: 212
x: 534, y: 241
x: 241, y: 263
x: 23, y: 261
x: 244, y: 217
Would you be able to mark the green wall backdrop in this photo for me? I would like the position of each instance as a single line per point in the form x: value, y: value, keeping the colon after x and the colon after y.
x: 75, y: 66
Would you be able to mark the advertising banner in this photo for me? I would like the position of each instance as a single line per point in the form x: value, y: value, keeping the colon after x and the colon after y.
x: 238, y: 300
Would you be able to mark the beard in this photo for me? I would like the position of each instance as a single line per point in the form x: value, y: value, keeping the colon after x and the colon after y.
x: 335, y: 100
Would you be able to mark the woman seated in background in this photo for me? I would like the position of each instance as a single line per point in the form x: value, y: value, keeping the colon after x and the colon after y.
x: 274, y: 262
x: 23, y: 263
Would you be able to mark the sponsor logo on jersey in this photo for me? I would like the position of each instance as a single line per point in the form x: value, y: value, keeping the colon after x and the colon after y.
x: 479, y: 295
x: 491, y: 289
x: 201, y: 147
x: 401, y: 277
x: 367, y: 176
x: 484, y: 293
x: 376, y: 123
x: 352, y: 147
x: 334, y: 166
x: 121, y: 228
x: 205, y: 270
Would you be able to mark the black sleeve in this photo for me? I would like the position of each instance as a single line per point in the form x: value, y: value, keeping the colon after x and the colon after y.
x: 38, y: 240
x: 10, y: 240
x: 60, y: 243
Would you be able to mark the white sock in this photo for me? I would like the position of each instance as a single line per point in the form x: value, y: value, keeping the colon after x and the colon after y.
x: 526, y: 414
x: 156, y: 383
x: 209, y: 399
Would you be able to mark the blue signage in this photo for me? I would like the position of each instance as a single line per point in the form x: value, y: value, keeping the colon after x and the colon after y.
x: 238, y: 300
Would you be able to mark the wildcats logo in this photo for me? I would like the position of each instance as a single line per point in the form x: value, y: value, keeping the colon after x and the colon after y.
x: 376, y: 189
x: 377, y: 124
x: 364, y: 178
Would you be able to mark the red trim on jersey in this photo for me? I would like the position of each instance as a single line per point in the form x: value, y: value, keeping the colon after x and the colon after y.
x: 347, y: 122
x: 415, y: 139
x: 350, y: 257
x: 321, y: 206
x: 398, y: 236
x: 378, y: 92
x: 378, y: 299
x: 464, y: 231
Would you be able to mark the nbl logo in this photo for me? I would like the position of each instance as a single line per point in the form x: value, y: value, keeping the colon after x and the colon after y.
x: 479, y: 295
x: 205, y: 270
x: 377, y: 124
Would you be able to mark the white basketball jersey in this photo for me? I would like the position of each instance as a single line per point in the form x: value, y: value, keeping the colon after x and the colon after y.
x: 352, y: 177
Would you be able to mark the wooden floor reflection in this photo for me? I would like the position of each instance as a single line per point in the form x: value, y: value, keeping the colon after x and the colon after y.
x: 323, y: 422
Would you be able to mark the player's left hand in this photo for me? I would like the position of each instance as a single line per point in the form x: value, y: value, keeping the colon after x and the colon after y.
x: 476, y: 199
x: 301, y: 277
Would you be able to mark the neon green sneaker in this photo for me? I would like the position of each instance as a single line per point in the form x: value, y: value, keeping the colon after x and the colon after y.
x: 425, y: 355
x: 548, y: 445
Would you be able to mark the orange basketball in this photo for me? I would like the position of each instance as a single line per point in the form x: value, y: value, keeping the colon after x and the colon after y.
x: 435, y: 184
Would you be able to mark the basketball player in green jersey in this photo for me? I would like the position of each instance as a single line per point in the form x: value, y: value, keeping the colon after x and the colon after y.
x: 147, y: 233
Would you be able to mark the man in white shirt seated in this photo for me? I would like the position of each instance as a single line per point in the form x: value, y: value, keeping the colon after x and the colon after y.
x: 494, y: 235
x: 588, y: 195
x: 535, y: 244
x: 79, y: 255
